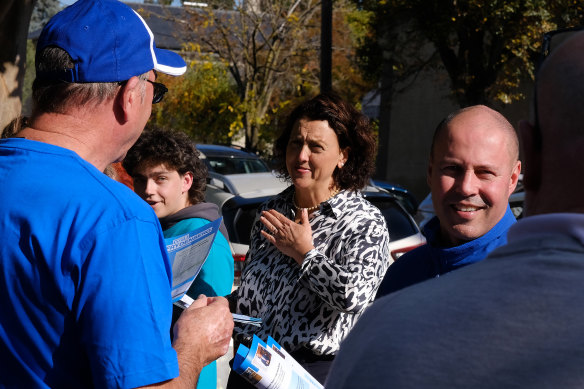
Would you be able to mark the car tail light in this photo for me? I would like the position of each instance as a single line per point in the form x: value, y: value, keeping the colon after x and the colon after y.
x: 395, y: 254
x: 237, y: 267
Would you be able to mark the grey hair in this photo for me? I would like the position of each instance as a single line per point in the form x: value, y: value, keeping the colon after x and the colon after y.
x: 55, y: 96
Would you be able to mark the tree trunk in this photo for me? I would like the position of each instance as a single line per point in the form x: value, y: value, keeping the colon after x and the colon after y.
x: 14, y: 20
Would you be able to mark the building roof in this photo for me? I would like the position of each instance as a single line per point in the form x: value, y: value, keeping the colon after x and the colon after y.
x: 169, y: 24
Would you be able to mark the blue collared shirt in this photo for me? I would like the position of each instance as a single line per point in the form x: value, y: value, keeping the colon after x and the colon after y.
x: 432, y: 260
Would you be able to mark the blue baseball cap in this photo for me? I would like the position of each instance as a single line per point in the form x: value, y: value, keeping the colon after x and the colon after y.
x: 108, y: 42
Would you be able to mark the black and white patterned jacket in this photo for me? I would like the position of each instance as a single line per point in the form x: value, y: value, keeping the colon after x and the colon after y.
x: 315, y: 305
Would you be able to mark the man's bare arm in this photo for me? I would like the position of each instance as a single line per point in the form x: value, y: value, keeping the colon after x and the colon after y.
x: 201, y: 335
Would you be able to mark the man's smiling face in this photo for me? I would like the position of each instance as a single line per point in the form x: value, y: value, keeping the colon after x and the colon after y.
x: 471, y: 174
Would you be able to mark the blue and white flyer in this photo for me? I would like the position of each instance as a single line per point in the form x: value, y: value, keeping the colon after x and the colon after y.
x: 268, y: 365
x: 187, y: 254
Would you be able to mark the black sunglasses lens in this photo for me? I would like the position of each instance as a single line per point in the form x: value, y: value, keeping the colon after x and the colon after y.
x: 159, y: 91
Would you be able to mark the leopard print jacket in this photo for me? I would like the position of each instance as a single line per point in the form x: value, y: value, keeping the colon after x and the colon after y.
x: 314, y: 305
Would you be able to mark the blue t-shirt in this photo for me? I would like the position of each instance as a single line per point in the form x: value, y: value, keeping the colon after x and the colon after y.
x: 433, y: 260
x: 84, y: 275
x: 214, y: 279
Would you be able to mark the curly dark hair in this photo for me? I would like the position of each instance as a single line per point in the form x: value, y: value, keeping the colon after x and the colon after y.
x: 353, y: 130
x: 176, y: 151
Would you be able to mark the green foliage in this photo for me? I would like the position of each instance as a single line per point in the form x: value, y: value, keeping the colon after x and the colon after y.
x: 42, y: 12
x: 200, y: 103
x: 272, y: 51
x: 265, y: 46
x: 350, y: 30
x: 487, y: 47
x: 358, y: 21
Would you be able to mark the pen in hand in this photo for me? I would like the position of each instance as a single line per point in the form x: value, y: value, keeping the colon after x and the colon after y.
x: 185, y: 301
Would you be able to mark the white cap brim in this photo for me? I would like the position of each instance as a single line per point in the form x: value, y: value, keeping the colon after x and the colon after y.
x: 169, y: 62
x: 165, y: 61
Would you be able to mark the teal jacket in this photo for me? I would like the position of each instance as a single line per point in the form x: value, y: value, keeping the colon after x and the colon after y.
x: 216, y: 275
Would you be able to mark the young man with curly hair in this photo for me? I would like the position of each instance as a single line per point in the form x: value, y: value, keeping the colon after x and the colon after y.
x: 169, y: 175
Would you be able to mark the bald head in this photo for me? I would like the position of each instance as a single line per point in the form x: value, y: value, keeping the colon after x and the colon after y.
x: 555, y: 162
x: 472, y: 171
x: 482, y: 116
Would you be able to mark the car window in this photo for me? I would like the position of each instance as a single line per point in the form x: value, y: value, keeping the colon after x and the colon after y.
x: 239, y: 220
x: 225, y: 165
x: 243, y: 223
x: 399, y: 224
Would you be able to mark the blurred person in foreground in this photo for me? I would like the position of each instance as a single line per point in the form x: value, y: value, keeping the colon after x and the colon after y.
x: 515, y: 319
x: 85, y: 277
x: 473, y: 170
x: 318, y: 249
x: 116, y: 171
x: 168, y: 175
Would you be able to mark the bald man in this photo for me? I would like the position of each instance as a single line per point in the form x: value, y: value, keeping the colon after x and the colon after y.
x: 514, y: 320
x: 473, y: 169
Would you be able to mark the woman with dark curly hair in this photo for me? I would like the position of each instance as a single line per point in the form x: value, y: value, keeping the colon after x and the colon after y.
x: 169, y: 175
x: 319, y: 250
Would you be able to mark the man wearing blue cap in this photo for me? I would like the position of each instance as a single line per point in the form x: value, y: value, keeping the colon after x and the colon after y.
x: 83, y: 266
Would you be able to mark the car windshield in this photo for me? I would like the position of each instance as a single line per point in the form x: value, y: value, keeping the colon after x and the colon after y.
x: 229, y: 165
x: 399, y: 224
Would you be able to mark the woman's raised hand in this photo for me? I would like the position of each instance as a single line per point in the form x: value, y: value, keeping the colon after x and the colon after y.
x: 292, y: 239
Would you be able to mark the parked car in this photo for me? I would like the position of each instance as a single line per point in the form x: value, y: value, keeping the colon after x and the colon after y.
x: 239, y: 212
x: 404, y: 232
x: 237, y: 171
x: 405, y: 197
x: 244, y: 183
x: 231, y: 160
x: 425, y: 211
